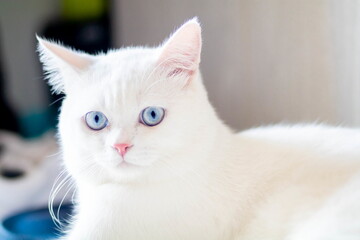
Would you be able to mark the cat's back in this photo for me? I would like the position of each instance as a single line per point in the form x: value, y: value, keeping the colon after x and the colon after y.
x: 312, y: 166
x: 312, y: 138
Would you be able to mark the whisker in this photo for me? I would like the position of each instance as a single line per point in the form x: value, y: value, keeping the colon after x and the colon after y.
x: 61, y: 202
x: 54, y: 154
x: 53, y: 195
x: 57, y: 187
x: 57, y: 100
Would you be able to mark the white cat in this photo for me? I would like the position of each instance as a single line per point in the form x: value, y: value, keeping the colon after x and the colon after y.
x: 152, y: 160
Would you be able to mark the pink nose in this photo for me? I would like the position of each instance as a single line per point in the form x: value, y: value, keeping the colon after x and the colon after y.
x: 122, y: 148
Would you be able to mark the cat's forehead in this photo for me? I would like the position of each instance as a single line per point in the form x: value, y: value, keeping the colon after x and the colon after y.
x: 122, y: 77
x: 126, y: 64
x: 123, y: 69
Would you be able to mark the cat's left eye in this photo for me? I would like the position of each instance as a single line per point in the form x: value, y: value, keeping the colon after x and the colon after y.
x: 152, y: 116
x: 96, y: 120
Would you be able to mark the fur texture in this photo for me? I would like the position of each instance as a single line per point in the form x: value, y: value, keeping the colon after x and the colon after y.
x: 191, y: 177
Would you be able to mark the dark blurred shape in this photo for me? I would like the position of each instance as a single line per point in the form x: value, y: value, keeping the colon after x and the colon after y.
x: 11, y: 173
x: 85, y: 26
x: 8, y: 120
x: 91, y: 36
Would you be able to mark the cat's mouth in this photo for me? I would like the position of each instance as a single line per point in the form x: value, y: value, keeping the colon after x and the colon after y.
x: 126, y: 164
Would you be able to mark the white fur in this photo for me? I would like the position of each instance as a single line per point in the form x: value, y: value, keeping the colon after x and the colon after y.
x: 194, y: 178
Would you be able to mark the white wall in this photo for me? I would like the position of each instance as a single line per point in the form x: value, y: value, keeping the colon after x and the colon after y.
x: 19, y: 21
x: 264, y: 61
x: 344, y: 19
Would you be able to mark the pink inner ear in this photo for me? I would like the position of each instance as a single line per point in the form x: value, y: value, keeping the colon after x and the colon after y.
x: 181, y: 53
x: 178, y: 71
x: 77, y: 60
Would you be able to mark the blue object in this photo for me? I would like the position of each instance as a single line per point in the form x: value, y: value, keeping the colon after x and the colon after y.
x: 33, y: 225
x: 36, y: 123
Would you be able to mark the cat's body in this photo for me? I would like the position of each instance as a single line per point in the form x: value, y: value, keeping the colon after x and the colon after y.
x: 190, y: 177
x: 266, y: 199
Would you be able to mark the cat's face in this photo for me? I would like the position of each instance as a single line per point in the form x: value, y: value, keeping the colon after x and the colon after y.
x: 134, y: 113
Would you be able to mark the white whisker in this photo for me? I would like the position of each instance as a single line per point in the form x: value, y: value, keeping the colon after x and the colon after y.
x: 66, y: 181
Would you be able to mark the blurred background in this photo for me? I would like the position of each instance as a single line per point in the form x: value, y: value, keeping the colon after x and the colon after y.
x: 263, y: 62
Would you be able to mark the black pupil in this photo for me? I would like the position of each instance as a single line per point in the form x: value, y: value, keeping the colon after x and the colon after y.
x: 96, y: 118
x: 153, y: 114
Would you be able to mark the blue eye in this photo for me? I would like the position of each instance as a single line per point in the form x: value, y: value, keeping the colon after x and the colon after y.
x: 152, y: 116
x: 96, y: 120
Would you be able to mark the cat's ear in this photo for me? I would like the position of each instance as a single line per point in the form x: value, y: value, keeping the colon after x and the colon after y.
x: 180, y: 54
x: 59, y: 61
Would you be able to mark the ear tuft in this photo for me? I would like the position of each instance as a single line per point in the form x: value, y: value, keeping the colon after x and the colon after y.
x: 58, y: 60
x: 181, y: 52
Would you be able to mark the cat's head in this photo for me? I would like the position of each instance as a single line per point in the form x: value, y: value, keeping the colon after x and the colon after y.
x: 134, y: 113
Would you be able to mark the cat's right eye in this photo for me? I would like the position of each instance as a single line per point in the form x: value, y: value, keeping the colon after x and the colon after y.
x: 96, y: 120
